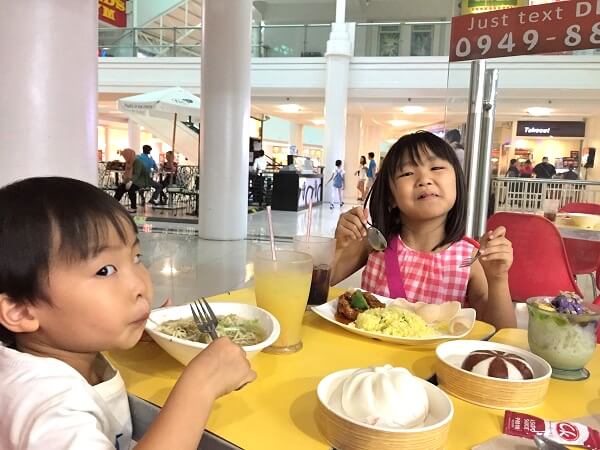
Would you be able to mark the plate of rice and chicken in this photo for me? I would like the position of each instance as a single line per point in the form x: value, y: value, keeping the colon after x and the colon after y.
x: 397, y: 320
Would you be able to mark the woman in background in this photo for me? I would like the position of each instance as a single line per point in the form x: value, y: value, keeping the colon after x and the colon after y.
x: 362, y: 178
x: 169, y: 169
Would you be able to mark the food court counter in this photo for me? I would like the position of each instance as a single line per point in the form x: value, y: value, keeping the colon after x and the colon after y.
x: 293, y: 191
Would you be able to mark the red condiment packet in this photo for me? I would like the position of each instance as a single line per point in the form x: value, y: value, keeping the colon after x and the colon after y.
x: 566, y: 433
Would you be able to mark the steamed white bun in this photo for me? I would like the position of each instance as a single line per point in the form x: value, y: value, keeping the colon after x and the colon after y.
x: 385, y: 396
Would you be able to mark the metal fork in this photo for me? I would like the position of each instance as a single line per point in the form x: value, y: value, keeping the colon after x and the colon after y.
x: 206, y: 321
x: 469, y: 261
x: 205, y: 318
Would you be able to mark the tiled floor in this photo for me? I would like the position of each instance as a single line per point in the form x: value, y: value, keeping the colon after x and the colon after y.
x: 184, y: 267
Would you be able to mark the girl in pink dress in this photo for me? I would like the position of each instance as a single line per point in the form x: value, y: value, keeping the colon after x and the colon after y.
x: 418, y: 202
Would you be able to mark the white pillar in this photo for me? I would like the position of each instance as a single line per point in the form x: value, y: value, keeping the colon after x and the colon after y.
x: 49, y: 89
x: 339, y: 52
x: 297, y: 136
x: 354, y: 137
x: 134, y: 136
x: 224, y: 134
x: 373, y: 140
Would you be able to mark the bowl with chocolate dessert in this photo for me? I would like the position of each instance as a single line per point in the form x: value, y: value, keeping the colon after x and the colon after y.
x: 562, y: 330
x: 492, y: 374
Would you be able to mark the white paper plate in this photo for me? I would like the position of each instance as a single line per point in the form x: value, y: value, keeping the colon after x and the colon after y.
x: 327, y: 312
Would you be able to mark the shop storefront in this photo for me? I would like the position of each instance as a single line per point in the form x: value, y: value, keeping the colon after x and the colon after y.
x: 560, y: 141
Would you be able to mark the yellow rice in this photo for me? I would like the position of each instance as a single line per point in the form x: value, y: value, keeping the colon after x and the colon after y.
x: 394, y: 322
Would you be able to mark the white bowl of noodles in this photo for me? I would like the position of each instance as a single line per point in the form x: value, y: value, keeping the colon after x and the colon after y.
x: 172, y: 329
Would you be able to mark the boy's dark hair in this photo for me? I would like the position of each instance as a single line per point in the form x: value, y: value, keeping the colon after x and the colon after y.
x: 411, y: 147
x: 338, y: 162
x: 44, y: 220
x: 146, y: 149
x: 371, y: 155
x: 512, y: 161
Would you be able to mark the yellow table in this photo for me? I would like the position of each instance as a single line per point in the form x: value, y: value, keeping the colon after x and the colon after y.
x: 473, y: 424
x: 277, y: 410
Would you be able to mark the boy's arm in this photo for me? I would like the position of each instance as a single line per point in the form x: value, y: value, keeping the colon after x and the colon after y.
x: 182, y: 419
x: 217, y: 370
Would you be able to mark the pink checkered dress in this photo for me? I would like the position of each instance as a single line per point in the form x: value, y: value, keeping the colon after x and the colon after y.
x: 427, y: 277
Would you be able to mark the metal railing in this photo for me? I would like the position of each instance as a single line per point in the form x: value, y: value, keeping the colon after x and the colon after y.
x: 293, y: 40
x: 149, y: 42
x: 528, y: 194
x: 381, y: 39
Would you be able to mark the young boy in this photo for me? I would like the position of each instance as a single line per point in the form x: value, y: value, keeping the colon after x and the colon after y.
x: 72, y: 285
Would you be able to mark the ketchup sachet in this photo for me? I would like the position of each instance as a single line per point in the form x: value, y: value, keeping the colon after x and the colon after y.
x: 564, y: 432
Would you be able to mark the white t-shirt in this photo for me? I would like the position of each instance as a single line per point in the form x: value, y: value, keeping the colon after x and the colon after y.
x: 48, y: 405
x: 362, y: 173
x: 260, y: 163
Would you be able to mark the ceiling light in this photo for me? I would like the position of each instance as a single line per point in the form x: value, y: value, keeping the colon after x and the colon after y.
x: 169, y: 269
x: 398, y: 123
x: 539, y: 111
x: 412, y: 109
x: 318, y: 121
x: 290, y: 108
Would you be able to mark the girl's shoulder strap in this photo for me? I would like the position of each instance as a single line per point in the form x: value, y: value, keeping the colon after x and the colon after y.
x: 471, y: 241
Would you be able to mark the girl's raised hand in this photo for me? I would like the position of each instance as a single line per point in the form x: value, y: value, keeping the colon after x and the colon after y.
x: 496, y: 253
x: 351, y: 226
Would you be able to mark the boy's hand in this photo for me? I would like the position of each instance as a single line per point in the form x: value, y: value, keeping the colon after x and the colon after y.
x: 222, y: 367
x: 351, y: 226
x: 496, y: 253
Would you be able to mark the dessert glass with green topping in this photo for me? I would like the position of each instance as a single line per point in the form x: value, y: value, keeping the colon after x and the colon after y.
x: 562, y: 330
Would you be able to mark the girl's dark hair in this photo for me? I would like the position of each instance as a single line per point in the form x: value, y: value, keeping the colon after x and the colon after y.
x: 338, y: 162
x: 363, y: 160
x: 411, y: 147
x: 44, y: 220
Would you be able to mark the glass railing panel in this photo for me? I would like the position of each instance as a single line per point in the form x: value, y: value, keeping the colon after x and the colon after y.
x: 303, y: 40
x: 402, y: 39
x: 115, y: 42
x: 155, y: 42
x: 283, y: 41
x: 188, y: 41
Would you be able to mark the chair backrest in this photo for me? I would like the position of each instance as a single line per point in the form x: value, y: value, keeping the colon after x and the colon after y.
x: 540, y: 265
x: 584, y: 208
x: 584, y: 256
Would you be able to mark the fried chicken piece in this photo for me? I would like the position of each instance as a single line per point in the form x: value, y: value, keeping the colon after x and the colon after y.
x: 345, y: 313
x: 372, y: 301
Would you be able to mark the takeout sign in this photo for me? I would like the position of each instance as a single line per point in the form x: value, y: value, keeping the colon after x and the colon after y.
x: 555, y: 27
x: 112, y: 12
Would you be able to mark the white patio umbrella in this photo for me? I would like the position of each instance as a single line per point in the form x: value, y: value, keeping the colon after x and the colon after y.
x: 167, y: 104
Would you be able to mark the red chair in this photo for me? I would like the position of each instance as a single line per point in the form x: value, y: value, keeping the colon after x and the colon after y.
x: 540, y: 264
x: 584, y: 208
x: 584, y: 256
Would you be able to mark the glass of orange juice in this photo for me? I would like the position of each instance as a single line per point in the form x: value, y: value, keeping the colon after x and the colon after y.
x: 282, y: 288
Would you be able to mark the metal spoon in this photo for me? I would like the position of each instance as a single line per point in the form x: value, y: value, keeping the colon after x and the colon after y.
x: 544, y: 443
x: 376, y: 239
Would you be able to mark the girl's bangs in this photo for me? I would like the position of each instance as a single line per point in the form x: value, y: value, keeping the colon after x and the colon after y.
x: 415, y: 153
